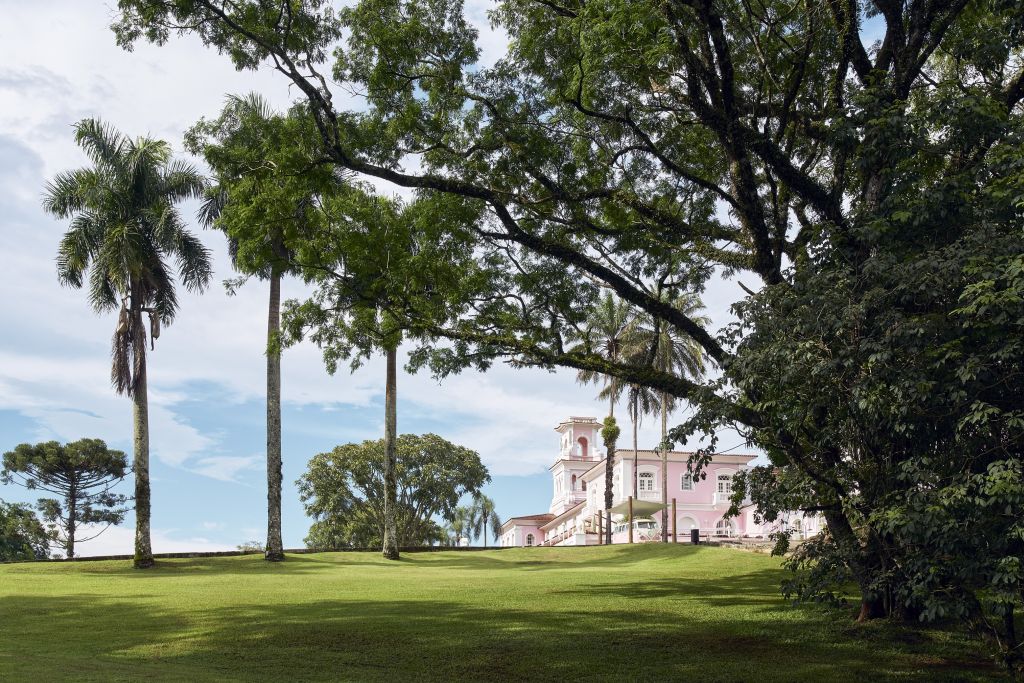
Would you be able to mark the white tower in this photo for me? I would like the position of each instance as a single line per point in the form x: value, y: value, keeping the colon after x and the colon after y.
x: 577, y: 454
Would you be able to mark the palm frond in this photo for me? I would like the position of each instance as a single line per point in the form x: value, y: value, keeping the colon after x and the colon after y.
x: 181, y: 180
x: 101, y: 142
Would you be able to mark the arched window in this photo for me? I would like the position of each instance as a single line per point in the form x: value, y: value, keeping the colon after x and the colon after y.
x: 574, y: 482
x: 723, y: 527
x: 687, y: 523
x: 582, y: 441
x: 529, y: 539
x: 725, y: 483
x: 645, y: 481
x: 584, y: 484
x: 686, y: 483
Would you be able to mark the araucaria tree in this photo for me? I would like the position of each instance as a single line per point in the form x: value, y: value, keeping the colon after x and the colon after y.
x: 124, y: 231
x: 868, y: 197
x: 344, y: 490
x: 81, y: 474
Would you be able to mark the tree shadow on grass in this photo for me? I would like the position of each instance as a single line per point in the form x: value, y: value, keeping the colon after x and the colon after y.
x: 88, y: 637
x: 534, y: 559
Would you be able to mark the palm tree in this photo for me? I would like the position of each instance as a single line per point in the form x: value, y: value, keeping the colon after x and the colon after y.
x: 460, y: 525
x: 607, y: 332
x: 243, y: 114
x: 674, y: 352
x: 124, y: 230
x: 642, y: 401
x: 484, y: 518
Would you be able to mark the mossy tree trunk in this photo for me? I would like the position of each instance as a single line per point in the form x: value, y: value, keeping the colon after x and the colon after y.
x: 274, y: 548
x: 140, y: 461
x: 390, y: 437
x: 664, y: 468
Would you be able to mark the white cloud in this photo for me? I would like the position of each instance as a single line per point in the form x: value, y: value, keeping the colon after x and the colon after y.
x: 120, y: 540
x: 226, y: 467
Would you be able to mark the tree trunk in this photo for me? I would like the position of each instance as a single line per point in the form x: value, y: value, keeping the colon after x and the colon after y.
x: 609, y: 467
x: 863, y: 564
x: 635, y: 453
x: 72, y: 505
x: 390, y: 436
x: 664, y: 468
x: 140, y: 465
x: 275, y: 547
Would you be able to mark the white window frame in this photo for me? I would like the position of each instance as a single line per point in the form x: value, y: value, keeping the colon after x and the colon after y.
x: 641, y: 478
x: 529, y: 540
x: 686, y: 482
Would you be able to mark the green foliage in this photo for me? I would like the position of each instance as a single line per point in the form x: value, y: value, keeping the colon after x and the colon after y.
x: 343, y: 490
x: 81, y: 473
x: 267, y: 181
x: 124, y: 231
x: 872, y: 194
x: 483, y: 518
x: 22, y: 536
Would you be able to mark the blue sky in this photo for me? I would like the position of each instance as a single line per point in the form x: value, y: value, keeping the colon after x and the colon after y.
x: 59, y: 64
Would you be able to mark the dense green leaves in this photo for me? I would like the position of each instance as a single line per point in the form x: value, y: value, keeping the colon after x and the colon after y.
x: 875, y: 191
x: 344, y: 490
x: 22, y: 536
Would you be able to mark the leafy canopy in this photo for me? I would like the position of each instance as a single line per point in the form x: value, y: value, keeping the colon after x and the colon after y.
x: 343, y: 490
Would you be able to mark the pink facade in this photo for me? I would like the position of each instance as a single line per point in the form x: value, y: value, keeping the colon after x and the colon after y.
x: 578, y: 485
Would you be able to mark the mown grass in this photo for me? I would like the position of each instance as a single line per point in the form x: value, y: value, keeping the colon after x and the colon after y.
x: 641, y: 613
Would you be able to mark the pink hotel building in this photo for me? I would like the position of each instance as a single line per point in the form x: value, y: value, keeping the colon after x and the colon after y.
x: 578, y: 478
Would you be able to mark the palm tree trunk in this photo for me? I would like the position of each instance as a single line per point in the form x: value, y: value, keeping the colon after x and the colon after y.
x: 140, y: 465
x: 390, y: 436
x: 635, y: 453
x: 664, y: 468
x: 274, y: 549
x: 609, y: 467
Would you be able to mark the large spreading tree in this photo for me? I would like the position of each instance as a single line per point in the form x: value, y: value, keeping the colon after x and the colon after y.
x: 345, y: 491
x: 854, y: 164
x: 125, y: 239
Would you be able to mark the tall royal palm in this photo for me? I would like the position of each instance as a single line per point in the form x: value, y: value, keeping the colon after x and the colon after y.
x: 230, y: 142
x: 607, y: 333
x: 124, y: 233
x: 674, y: 353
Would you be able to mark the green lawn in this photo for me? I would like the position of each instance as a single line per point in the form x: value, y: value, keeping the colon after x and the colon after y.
x: 649, y: 613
